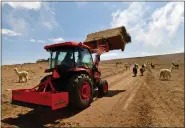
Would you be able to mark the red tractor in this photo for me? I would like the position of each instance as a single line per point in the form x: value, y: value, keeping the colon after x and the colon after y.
x: 73, y: 79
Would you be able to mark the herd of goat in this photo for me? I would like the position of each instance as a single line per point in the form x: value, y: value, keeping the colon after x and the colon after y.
x: 165, y: 73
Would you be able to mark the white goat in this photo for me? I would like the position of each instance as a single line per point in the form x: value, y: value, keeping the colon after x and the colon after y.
x: 146, y: 64
x: 127, y: 66
x: 166, y: 73
x: 22, y: 75
x: 137, y: 65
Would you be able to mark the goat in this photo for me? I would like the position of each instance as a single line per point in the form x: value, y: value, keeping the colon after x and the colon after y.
x: 127, y: 66
x: 166, y: 73
x: 118, y: 63
x: 137, y: 65
x: 145, y: 65
x: 21, y: 74
x: 152, y: 66
x: 146, y: 62
x: 175, y: 65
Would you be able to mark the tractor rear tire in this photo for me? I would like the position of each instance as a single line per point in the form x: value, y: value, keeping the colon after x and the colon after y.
x: 103, y: 88
x: 80, y: 91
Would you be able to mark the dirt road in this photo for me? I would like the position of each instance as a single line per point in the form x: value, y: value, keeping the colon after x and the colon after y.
x: 134, y: 101
x: 131, y: 101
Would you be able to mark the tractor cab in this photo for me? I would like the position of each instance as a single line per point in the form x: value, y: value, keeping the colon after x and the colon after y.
x: 69, y: 56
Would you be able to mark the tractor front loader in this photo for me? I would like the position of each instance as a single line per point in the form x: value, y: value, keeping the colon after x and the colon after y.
x: 73, y: 74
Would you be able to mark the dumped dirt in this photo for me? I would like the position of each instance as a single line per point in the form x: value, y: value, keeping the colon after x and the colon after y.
x: 142, y: 101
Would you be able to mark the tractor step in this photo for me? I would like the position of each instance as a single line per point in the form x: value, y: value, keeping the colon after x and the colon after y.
x: 48, y: 99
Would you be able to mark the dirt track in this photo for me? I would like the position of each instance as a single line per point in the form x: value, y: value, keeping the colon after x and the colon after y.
x: 131, y: 101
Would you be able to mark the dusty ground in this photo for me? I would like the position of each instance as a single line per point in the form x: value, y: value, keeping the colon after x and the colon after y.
x: 131, y: 101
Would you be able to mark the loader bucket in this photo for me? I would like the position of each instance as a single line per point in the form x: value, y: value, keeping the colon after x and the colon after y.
x: 116, y: 37
x: 115, y: 43
x: 48, y: 99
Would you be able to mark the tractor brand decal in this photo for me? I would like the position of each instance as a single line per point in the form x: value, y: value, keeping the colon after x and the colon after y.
x: 60, y: 101
x: 16, y: 93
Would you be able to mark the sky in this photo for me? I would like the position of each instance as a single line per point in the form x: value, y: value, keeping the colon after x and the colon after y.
x: 155, y: 27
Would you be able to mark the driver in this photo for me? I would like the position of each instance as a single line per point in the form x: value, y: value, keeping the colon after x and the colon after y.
x: 79, y: 61
x: 67, y: 60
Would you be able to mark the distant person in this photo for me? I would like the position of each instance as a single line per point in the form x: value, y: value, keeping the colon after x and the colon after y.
x: 142, y: 69
x: 135, y: 70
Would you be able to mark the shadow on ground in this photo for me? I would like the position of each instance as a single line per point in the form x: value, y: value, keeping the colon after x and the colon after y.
x: 40, y: 117
x: 111, y: 93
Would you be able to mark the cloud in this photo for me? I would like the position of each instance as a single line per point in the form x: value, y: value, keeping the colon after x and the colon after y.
x: 48, y: 24
x: 178, y: 50
x: 54, y: 40
x: 25, y: 5
x: 53, y: 12
x: 108, y: 56
x: 22, y: 22
x: 32, y: 40
x: 16, y: 22
x: 39, y: 41
x: 10, y: 32
x: 57, y: 40
x: 145, y: 54
x: 47, y: 16
x: 154, y: 30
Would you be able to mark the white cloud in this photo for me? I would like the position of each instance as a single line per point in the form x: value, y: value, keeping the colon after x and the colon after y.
x: 130, y: 16
x: 10, y: 32
x: 53, y: 40
x: 162, y: 27
x: 108, y: 56
x: 48, y: 24
x: 145, y: 54
x: 47, y: 16
x: 17, y: 23
x: 178, y: 50
x: 39, y: 41
x: 53, y: 12
x: 32, y: 40
x: 57, y: 40
x: 23, y: 22
x: 25, y: 5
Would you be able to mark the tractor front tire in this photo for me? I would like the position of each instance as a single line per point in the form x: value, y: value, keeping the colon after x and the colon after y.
x: 103, y: 88
x: 80, y: 91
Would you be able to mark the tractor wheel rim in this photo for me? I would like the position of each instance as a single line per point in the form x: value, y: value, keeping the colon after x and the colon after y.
x: 85, y: 91
x: 105, y: 87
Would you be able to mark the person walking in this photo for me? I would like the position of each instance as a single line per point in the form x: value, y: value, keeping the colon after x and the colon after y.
x: 135, y: 70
